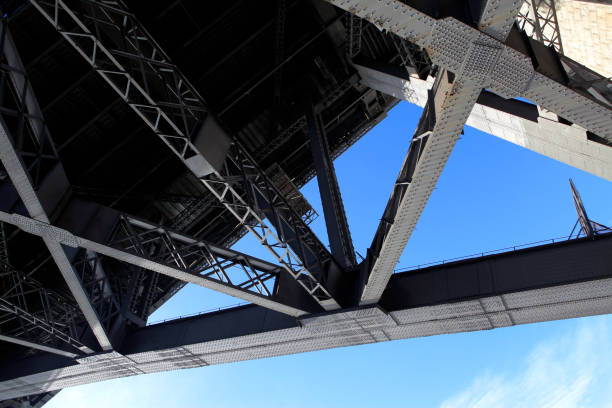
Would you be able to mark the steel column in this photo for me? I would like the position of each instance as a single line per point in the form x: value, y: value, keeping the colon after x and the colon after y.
x: 338, y: 230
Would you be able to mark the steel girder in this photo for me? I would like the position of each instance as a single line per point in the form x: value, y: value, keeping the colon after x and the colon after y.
x: 518, y: 287
x: 509, y: 72
x: 449, y: 105
x: 25, y: 156
x: 353, y: 35
x: 515, y: 121
x: 152, y: 247
x: 141, y: 73
x: 335, y: 217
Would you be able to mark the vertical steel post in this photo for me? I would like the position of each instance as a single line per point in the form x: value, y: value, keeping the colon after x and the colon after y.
x: 333, y: 208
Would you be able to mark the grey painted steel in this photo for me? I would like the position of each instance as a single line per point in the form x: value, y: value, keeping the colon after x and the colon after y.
x: 497, y: 17
x: 42, y: 347
x: 23, y: 185
x: 448, y: 108
x: 59, y: 236
x: 467, y: 52
x: 533, y: 285
x: 545, y: 135
x: 176, y: 121
x: 335, y: 217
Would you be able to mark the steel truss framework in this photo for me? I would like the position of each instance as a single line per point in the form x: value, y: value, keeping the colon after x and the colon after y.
x: 538, y: 19
x: 145, y: 78
x: 27, y: 153
x: 308, y: 279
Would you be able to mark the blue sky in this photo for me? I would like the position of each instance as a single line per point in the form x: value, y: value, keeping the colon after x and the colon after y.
x: 491, y: 195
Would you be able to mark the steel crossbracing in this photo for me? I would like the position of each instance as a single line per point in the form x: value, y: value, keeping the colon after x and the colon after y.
x: 58, y: 322
x: 468, y: 52
x: 538, y: 18
x: 156, y: 90
x: 32, y: 146
x: 294, y: 303
x: 152, y: 247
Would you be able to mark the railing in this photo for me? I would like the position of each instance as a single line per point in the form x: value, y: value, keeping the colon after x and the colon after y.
x: 481, y: 254
x: 217, y: 309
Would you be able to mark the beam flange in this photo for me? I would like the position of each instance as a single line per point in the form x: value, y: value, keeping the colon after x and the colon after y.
x: 42, y: 347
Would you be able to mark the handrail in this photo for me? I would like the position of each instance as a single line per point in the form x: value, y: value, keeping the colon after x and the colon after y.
x: 217, y: 309
x: 481, y: 254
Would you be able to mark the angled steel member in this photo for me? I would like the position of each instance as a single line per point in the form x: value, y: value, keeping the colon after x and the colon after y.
x: 23, y: 184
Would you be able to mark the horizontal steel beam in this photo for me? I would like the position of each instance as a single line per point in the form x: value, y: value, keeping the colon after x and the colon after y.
x: 558, y: 281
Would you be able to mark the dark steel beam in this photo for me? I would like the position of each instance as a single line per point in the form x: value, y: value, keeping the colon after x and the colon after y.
x: 557, y: 281
x: 335, y: 217
x: 37, y: 346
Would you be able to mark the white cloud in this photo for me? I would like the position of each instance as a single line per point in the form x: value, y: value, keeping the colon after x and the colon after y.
x: 574, y: 370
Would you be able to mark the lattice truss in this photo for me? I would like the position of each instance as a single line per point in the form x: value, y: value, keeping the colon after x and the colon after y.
x: 538, y: 18
x: 143, y: 76
x: 30, y: 311
x: 196, y: 257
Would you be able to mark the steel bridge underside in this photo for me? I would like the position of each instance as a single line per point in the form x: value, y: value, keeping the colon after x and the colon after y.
x: 135, y: 154
x: 556, y: 281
